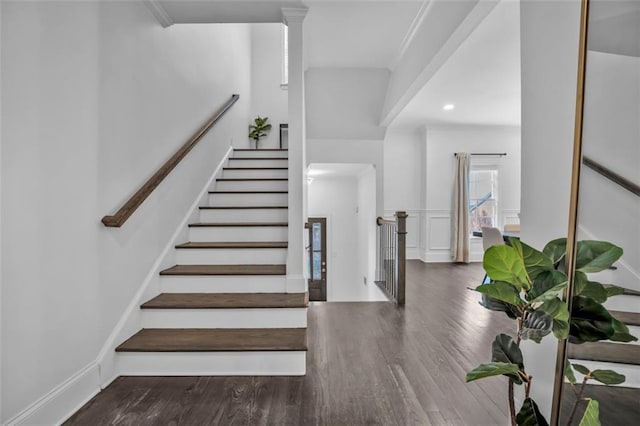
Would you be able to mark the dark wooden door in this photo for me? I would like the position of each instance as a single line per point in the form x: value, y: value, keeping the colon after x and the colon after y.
x: 318, y: 259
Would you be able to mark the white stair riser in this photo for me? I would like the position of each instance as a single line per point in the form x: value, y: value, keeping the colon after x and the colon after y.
x: 630, y: 371
x: 267, y: 162
x: 237, y: 233
x: 243, y: 215
x: 223, y: 284
x: 248, y: 199
x: 262, y: 256
x: 225, y: 318
x: 251, y: 185
x: 623, y: 303
x: 260, y: 153
x: 259, y: 173
x: 267, y: 363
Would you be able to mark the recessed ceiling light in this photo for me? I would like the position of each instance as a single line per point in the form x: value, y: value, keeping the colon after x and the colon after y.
x: 448, y: 107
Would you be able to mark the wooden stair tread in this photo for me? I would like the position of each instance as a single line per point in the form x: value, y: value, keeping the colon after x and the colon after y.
x: 248, y: 192
x: 259, y: 158
x: 225, y: 270
x: 629, y: 318
x: 248, y: 179
x: 255, y: 168
x: 241, y: 207
x: 227, y: 301
x: 606, y: 352
x: 216, y: 340
x: 205, y: 224
x: 629, y: 292
x: 233, y: 245
x: 260, y: 149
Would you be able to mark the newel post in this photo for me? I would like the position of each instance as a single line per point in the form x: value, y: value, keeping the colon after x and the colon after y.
x: 401, y: 219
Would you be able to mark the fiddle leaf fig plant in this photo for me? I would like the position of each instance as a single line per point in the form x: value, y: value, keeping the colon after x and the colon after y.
x: 528, y: 286
x: 259, y: 129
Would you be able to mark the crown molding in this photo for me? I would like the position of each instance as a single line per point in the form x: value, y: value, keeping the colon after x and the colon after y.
x: 159, y: 12
x: 293, y: 14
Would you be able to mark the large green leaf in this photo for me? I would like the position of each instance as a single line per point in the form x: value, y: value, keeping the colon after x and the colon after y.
x: 568, y: 372
x: 596, y: 256
x: 547, y: 285
x: 492, y: 369
x: 505, y: 350
x: 535, y: 261
x: 530, y: 415
x: 557, y: 309
x: 536, y: 325
x: 584, y: 287
x: 556, y: 250
x: 621, y: 332
x: 501, y: 291
x: 581, y: 369
x: 502, y: 263
x: 613, y: 290
x: 608, y: 377
x: 591, y: 415
x: 499, y: 306
x: 590, y: 321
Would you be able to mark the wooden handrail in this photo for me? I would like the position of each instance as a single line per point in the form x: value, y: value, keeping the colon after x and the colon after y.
x: 611, y: 175
x: 121, y: 216
x: 383, y: 221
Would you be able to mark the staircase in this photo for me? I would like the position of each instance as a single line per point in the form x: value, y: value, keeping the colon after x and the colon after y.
x: 623, y: 358
x: 223, y: 308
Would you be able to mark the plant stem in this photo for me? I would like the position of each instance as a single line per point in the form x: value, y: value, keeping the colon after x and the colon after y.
x: 512, y: 405
x: 578, y: 399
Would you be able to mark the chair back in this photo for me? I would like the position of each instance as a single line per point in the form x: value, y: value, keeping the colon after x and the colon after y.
x: 491, y: 237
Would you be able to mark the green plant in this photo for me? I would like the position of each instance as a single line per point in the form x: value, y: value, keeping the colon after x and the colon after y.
x: 527, y: 285
x: 259, y: 129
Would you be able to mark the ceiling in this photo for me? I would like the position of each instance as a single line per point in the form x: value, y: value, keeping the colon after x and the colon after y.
x: 348, y: 34
x: 481, y: 78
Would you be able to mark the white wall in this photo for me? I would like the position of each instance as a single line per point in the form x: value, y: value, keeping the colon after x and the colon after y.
x: 346, y: 202
x: 267, y: 97
x: 611, y: 134
x: 549, y: 33
x: 420, y: 167
x: 345, y: 103
x: 404, y: 181
x: 95, y: 97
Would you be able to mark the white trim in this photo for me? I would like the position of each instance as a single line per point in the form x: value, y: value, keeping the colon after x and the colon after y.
x: 293, y: 14
x: 107, y: 356
x: 424, y: 10
x: 62, y: 401
x: 159, y: 12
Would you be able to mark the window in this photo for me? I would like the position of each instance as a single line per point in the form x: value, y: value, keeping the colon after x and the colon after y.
x: 285, y: 57
x: 483, y: 197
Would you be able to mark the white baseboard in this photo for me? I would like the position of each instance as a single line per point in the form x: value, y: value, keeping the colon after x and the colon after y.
x: 63, y: 401
x: 130, y: 321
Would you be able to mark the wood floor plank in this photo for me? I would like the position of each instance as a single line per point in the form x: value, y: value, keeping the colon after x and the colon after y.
x: 226, y: 270
x: 227, y: 300
x: 233, y: 245
x: 216, y: 340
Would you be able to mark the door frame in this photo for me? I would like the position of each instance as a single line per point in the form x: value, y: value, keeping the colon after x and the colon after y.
x: 325, y: 249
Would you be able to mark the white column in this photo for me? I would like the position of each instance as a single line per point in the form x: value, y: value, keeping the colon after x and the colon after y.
x: 296, y: 279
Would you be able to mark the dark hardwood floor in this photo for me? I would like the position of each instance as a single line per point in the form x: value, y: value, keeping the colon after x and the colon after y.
x: 368, y: 363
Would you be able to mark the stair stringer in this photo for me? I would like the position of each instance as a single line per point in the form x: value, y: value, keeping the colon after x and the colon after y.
x: 131, y: 319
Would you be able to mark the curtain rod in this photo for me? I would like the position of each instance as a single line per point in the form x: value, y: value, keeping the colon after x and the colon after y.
x: 499, y: 154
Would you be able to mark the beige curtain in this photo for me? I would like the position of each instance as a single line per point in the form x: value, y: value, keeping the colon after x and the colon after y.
x: 460, y: 216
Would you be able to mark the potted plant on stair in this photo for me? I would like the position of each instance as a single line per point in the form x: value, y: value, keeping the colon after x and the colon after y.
x: 527, y: 285
x: 259, y: 129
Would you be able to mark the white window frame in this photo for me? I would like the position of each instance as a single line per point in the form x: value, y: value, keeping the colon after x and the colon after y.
x: 489, y: 164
